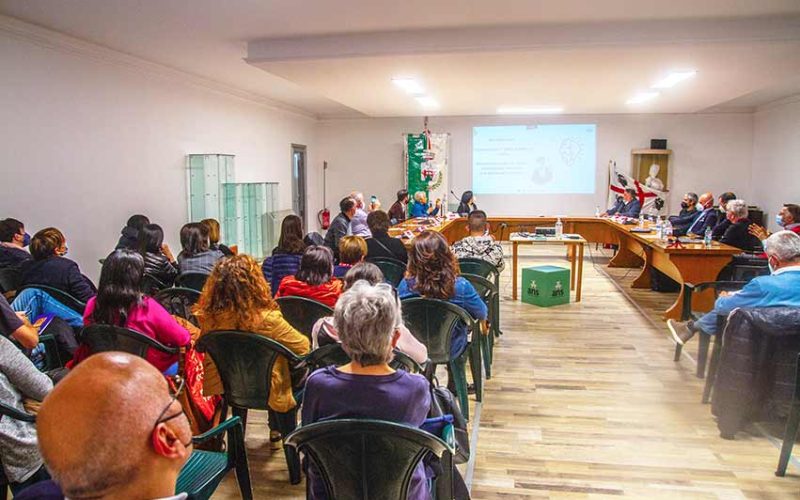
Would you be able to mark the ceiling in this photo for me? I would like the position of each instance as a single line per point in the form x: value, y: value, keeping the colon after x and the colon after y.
x: 336, y: 59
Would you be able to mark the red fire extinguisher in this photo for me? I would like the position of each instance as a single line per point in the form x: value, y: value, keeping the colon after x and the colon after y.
x: 324, y: 215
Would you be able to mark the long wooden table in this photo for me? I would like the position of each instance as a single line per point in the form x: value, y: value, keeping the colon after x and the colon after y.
x: 693, y: 263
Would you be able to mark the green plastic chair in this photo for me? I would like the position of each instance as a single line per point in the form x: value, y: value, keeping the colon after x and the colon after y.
x: 151, y: 285
x: 480, y: 267
x: 61, y: 296
x: 103, y: 338
x: 393, y: 270
x: 792, y: 425
x: 487, y: 292
x: 9, y: 280
x: 202, y: 473
x: 373, y: 459
x: 333, y: 354
x: 302, y: 313
x: 244, y: 361
x: 432, y: 322
x: 195, y: 281
x: 178, y: 301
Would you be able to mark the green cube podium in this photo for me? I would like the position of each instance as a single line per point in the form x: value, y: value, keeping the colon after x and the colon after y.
x: 545, y: 286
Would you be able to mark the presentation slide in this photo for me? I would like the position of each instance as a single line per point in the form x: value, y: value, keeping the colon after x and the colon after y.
x: 534, y: 159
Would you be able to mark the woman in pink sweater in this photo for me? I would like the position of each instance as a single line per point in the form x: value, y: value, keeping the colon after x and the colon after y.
x: 120, y: 302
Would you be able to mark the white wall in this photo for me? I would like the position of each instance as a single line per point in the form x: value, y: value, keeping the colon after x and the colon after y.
x: 710, y: 152
x: 84, y: 143
x: 776, y: 157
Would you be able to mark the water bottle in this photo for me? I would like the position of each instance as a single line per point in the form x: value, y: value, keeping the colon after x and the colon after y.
x: 659, y: 229
x: 707, y: 237
x: 559, y: 228
x: 641, y: 220
x: 597, y: 211
x: 667, y: 229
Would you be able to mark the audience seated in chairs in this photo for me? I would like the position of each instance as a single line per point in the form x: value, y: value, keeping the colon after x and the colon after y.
x: 722, y: 220
x: 738, y: 233
x: 112, y: 429
x: 285, y: 258
x: 479, y: 244
x: 686, y: 217
x: 129, y: 237
x: 120, y: 302
x: 22, y: 386
x: 433, y: 274
x: 706, y: 219
x: 50, y: 267
x: 367, y: 319
x: 352, y: 250
x: 340, y: 224
x: 381, y: 244
x: 158, y: 259
x: 397, y: 212
x: 324, y: 331
x: 788, y: 218
x: 214, y: 236
x: 314, y: 280
x: 237, y: 297
x: 197, y: 255
x: 13, y: 240
x: 779, y: 289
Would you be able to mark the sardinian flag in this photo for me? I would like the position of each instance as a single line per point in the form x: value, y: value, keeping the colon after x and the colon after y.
x: 653, y: 201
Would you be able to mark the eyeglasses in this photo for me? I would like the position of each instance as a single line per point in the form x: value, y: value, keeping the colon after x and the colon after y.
x: 173, y: 397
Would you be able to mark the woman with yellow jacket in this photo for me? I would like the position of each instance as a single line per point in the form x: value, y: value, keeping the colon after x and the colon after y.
x: 237, y: 297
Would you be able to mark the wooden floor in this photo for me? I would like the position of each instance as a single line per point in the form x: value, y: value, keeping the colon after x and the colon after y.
x: 586, y: 402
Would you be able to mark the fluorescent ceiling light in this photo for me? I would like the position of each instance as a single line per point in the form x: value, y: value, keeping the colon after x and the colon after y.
x: 673, y: 79
x: 542, y: 110
x: 427, y: 101
x: 410, y: 85
x: 642, y: 97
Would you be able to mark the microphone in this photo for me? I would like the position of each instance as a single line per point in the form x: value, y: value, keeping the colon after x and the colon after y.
x: 454, y: 196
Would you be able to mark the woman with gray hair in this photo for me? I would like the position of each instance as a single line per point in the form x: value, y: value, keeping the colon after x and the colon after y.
x: 738, y: 234
x: 367, y: 319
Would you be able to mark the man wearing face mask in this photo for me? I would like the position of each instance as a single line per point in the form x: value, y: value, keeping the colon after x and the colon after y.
x: 722, y: 220
x: 13, y: 240
x: 687, y: 216
x: 706, y: 219
x: 788, y: 218
x: 779, y: 289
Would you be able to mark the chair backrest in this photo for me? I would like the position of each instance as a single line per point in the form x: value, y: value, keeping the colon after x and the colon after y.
x: 432, y: 322
x: 102, y: 338
x: 366, y: 459
x: 61, y: 296
x: 302, y: 313
x: 9, y: 279
x: 748, y: 272
x: 195, y: 281
x: 470, y: 265
x: 150, y: 285
x: 483, y: 286
x: 393, y: 270
x: 178, y: 301
x: 244, y: 361
x: 333, y: 354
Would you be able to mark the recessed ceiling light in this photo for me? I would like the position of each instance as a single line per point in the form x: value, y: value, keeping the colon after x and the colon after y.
x: 673, y: 79
x: 410, y: 85
x: 642, y: 97
x: 541, y: 110
x: 427, y: 101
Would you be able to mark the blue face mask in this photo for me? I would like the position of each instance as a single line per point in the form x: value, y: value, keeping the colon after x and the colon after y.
x: 779, y: 220
x: 26, y: 240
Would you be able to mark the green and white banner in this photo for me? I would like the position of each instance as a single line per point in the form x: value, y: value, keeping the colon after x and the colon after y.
x: 427, y: 157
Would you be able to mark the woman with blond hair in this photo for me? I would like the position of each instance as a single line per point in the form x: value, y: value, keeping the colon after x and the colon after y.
x: 214, y: 236
x: 352, y: 250
x: 237, y: 297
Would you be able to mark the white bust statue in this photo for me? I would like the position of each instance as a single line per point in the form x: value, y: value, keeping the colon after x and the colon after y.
x: 652, y: 181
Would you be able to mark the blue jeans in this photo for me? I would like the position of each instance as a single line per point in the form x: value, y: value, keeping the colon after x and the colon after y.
x: 35, y: 303
x: 707, y: 323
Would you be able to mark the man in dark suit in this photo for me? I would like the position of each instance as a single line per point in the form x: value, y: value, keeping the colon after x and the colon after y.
x: 738, y: 234
x: 340, y: 224
x: 627, y: 206
x: 722, y: 221
x: 688, y: 214
x: 706, y: 219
